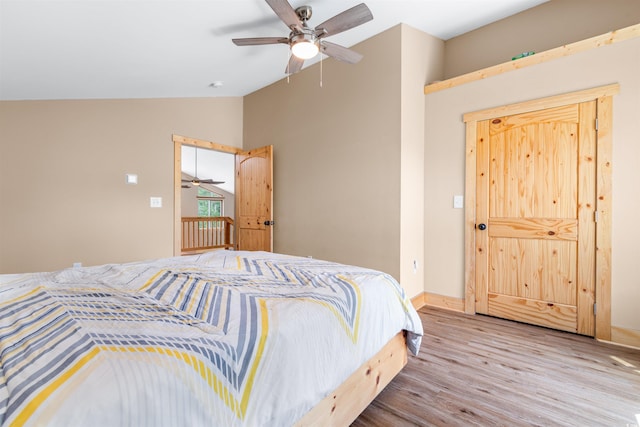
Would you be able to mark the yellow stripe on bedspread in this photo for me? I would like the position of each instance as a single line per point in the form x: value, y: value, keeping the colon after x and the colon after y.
x: 37, y: 400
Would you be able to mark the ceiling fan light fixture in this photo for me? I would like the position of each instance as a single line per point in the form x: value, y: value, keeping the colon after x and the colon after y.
x: 305, y: 48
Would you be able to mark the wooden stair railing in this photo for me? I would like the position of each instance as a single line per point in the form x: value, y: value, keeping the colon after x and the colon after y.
x: 200, y: 234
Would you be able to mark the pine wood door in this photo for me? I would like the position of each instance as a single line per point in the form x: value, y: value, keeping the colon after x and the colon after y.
x: 254, y: 199
x: 535, y: 217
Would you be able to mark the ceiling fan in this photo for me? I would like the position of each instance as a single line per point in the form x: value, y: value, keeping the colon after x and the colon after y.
x: 306, y: 42
x: 197, y: 181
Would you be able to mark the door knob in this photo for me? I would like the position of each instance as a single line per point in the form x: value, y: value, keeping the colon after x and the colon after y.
x: 482, y: 226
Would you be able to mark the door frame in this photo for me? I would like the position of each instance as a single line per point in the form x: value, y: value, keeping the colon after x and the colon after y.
x: 604, y: 101
x: 178, y: 142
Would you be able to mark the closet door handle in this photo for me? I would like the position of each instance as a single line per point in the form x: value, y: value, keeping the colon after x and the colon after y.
x: 482, y: 227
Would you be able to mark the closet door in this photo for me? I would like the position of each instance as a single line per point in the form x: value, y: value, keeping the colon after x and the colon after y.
x: 535, y: 222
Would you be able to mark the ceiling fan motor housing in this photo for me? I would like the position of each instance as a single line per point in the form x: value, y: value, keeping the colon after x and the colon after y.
x: 306, y: 36
x: 304, y: 13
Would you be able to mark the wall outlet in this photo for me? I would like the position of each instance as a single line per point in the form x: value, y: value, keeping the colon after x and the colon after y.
x: 77, y: 264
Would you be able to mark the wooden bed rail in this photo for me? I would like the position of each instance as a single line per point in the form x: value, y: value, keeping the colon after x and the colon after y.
x: 343, y: 406
x: 203, y: 233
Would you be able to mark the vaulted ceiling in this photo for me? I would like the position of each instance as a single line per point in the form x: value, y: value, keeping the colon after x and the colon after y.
x: 101, y: 49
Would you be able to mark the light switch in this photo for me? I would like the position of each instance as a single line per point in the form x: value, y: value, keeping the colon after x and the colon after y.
x: 132, y: 178
x: 155, y: 202
x: 458, y: 202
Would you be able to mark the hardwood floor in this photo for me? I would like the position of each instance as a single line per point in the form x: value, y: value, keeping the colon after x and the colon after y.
x: 479, y: 370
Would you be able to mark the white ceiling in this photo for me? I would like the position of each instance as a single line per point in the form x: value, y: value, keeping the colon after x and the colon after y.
x: 93, y: 49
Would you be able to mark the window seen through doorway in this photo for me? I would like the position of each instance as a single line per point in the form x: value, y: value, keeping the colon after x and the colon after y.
x: 210, y: 204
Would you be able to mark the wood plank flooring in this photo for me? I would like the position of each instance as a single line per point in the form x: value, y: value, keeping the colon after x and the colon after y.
x: 479, y: 370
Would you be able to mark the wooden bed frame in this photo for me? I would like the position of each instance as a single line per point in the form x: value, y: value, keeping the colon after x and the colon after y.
x: 343, y: 406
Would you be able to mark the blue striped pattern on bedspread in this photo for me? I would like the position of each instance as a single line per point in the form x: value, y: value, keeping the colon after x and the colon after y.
x: 187, y: 341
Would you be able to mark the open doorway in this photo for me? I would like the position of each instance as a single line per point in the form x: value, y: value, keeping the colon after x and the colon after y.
x: 208, y: 199
x: 204, y: 213
x: 208, y: 182
x: 251, y: 227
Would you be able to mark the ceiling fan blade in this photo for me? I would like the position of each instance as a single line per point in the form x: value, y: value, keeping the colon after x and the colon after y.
x: 253, y: 41
x: 286, y: 13
x: 210, y: 181
x: 339, y: 52
x: 343, y: 21
x: 294, y: 65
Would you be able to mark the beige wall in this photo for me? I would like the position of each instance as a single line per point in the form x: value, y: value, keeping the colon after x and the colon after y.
x: 421, y: 61
x: 336, y: 156
x: 341, y: 188
x: 551, y: 24
x: 445, y: 157
x: 62, y: 176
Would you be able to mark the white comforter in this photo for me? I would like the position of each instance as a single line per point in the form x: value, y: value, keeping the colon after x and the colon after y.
x: 224, y: 338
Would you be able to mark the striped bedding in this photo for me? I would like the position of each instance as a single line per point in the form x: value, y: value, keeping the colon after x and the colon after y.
x: 223, y: 338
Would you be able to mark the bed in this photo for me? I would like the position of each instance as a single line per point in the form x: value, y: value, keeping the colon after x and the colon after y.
x: 222, y: 338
